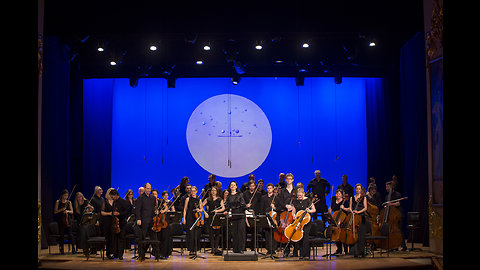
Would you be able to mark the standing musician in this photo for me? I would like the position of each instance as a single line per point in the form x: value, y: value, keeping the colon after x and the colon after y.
x: 114, y: 213
x: 252, y: 199
x: 269, y: 202
x: 339, y: 203
x: 281, y: 184
x: 97, y: 201
x: 303, y: 203
x: 390, y: 186
x: 320, y: 187
x: 208, y: 186
x: 236, y: 205
x: 192, y: 206
x: 63, y: 208
x: 373, y: 196
x: 346, y: 187
x: 214, y: 204
x: 163, y: 236
x: 285, y: 197
x: 358, y: 206
x: 180, y: 191
x: 81, y: 205
x: 144, y: 212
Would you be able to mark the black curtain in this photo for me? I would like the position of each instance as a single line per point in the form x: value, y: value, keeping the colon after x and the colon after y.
x: 397, y: 131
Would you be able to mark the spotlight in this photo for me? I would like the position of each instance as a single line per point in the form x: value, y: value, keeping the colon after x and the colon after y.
x: 258, y: 47
x: 207, y: 47
x: 113, y: 63
x: 371, y: 44
x: 305, y: 45
x: 100, y: 49
x: 153, y: 48
x: 236, y: 79
x: 199, y: 62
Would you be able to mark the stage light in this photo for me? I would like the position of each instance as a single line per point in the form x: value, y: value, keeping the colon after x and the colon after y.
x: 153, y: 48
x: 258, y: 47
x: 100, y: 49
x: 113, y: 63
x: 278, y: 61
x: 236, y: 79
x: 305, y: 45
x: 199, y: 62
x: 372, y: 44
x: 207, y: 47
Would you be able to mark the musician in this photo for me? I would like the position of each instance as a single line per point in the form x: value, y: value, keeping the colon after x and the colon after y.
x: 321, y: 188
x: 192, y: 206
x: 141, y: 190
x: 358, y: 206
x: 268, y: 204
x: 144, y: 212
x: 114, y: 207
x: 244, y: 186
x: 97, y: 202
x: 213, y: 204
x: 163, y: 236
x: 130, y: 226
x: 63, y: 208
x: 285, y: 198
x: 236, y: 205
x: 346, y: 187
x: 390, y: 186
x: 339, y: 203
x: 260, y: 190
x: 303, y: 203
x: 208, y: 186
x: 252, y: 199
x: 281, y: 184
x: 81, y: 205
x: 180, y: 204
x: 373, y: 196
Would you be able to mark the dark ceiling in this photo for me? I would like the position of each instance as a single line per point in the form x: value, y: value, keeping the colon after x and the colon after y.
x: 338, y: 33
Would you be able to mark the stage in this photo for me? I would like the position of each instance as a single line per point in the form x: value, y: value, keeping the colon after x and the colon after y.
x: 396, y: 260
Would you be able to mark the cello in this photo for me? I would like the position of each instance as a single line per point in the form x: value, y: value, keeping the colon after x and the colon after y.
x: 285, y: 219
x: 339, y: 217
x: 294, y: 231
x: 348, y: 235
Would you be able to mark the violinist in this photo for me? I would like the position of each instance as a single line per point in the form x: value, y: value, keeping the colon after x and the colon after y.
x: 192, y: 207
x: 114, y: 212
x: 144, y: 212
x: 269, y: 203
x: 338, y: 203
x: 236, y: 205
x: 213, y: 204
x: 81, y: 205
x: 163, y: 236
x: 63, y: 208
x: 303, y: 203
x: 358, y: 206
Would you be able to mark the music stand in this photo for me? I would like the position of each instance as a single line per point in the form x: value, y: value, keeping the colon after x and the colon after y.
x: 173, y: 217
x: 194, y: 227
x: 265, y: 221
x: 219, y: 219
x: 331, y: 222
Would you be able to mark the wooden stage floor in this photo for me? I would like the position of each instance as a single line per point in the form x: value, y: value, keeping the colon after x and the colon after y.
x: 396, y: 260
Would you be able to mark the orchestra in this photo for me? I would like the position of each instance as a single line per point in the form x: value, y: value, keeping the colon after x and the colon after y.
x: 289, y: 209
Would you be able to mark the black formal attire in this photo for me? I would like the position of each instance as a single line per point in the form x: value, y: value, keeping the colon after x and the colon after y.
x: 97, y: 203
x: 347, y: 189
x: 236, y: 204
x: 396, y: 195
x: 163, y: 236
x: 265, y: 207
x: 144, y: 211
x: 80, y: 229
x: 358, y: 249
x: 335, y: 207
x: 115, y: 241
x: 193, y: 203
x: 214, y: 234
x: 63, y: 228
x: 303, y: 245
x: 285, y: 197
x: 256, y: 198
x: 319, y: 187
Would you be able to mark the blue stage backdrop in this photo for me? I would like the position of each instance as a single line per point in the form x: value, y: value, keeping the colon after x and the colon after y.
x: 263, y: 126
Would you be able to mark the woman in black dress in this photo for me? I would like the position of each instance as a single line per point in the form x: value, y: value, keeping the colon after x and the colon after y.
x: 192, y: 206
x: 214, y: 204
x: 339, y: 203
x: 358, y: 206
x: 303, y: 203
x: 236, y: 205
x: 63, y: 208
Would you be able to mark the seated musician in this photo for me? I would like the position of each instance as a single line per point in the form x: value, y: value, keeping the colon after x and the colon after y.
x: 303, y: 203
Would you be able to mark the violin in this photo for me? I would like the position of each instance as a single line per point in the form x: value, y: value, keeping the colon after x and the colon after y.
x: 116, y: 221
x: 159, y: 220
x: 66, y: 216
x: 294, y: 231
x: 198, y: 215
x: 285, y: 220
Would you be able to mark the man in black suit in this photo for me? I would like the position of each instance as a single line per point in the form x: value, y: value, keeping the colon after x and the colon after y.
x: 144, y: 211
x: 321, y: 188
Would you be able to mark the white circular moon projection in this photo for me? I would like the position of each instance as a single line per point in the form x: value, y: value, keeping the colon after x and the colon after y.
x: 229, y: 135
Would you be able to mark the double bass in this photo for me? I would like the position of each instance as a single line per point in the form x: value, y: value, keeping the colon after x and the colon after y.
x: 390, y: 218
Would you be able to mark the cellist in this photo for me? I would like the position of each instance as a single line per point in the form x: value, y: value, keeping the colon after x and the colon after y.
x: 358, y: 206
x: 338, y: 203
x: 303, y: 203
